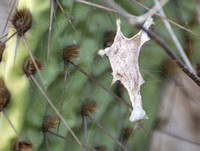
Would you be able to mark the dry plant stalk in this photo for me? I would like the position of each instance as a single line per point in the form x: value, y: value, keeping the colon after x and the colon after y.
x: 123, y: 56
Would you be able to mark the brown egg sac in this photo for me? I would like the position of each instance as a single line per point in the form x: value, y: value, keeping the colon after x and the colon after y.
x: 2, y: 48
x: 49, y: 122
x: 70, y: 52
x: 4, y: 95
x: 88, y: 107
x: 29, y: 68
x: 21, y: 145
x: 22, y: 21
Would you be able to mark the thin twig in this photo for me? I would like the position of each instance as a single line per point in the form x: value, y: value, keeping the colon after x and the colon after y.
x: 171, y: 21
x: 8, y: 38
x: 65, y: 14
x: 54, y: 108
x: 63, y: 94
x: 50, y: 29
x: 46, y: 141
x: 69, y: 140
x: 35, y: 64
x: 167, y: 49
x: 85, y: 130
x: 99, y: 84
x: 174, y: 38
x: 178, y: 137
x: 9, y: 16
x: 6, y: 116
x: 107, y: 133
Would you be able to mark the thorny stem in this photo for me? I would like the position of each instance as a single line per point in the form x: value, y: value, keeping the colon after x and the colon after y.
x: 63, y: 94
x: 6, y: 116
x: 50, y: 29
x: 35, y: 64
x: 69, y: 140
x: 46, y: 140
x: 54, y: 108
x: 99, y: 84
x: 107, y: 133
x: 65, y: 14
x: 175, y: 40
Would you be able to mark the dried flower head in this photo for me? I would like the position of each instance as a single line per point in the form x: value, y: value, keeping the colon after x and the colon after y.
x: 21, y: 145
x: 29, y: 68
x: 88, y: 107
x: 70, y: 52
x: 2, y: 48
x: 109, y: 37
x: 4, y: 95
x: 49, y: 122
x: 22, y: 21
x: 126, y: 133
x: 101, y: 148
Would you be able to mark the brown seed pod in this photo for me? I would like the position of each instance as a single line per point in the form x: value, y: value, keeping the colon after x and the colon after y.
x: 4, y: 95
x: 49, y: 122
x: 21, y: 145
x: 2, y: 48
x: 29, y: 68
x: 101, y: 148
x: 22, y: 21
x: 109, y: 37
x: 70, y: 52
x: 126, y: 133
x: 88, y: 107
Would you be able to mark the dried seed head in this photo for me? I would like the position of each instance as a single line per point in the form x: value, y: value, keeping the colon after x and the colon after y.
x: 101, y: 148
x: 70, y: 52
x: 22, y: 21
x: 109, y: 37
x: 49, y: 122
x: 4, y: 95
x: 88, y: 107
x: 21, y: 145
x: 126, y: 133
x: 29, y: 68
x: 2, y: 48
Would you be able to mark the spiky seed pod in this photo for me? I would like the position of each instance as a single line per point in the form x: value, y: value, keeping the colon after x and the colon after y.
x: 70, y: 52
x: 126, y: 133
x: 109, y: 37
x: 2, y: 48
x: 21, y: 145
x: 88, y: 107
x: 22, y: 21
x: 101, y: 148
x: 29, y: 68
x: 4, y: 95
x: 49, y: 122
